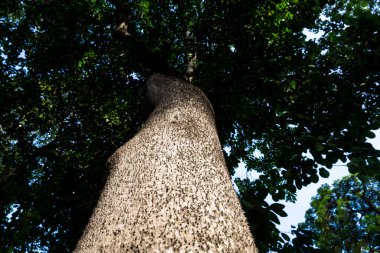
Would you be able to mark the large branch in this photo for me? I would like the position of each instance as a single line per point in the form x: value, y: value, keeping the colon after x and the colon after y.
x: 152, y: 60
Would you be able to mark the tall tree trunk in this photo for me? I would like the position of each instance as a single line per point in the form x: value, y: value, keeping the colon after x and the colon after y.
x: 168, y: 188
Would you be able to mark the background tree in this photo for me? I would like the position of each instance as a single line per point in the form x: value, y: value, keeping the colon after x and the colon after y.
x: 71, y: 93
x: 346, y: 217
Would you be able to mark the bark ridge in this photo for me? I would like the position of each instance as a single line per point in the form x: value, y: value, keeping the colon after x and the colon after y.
x: 168, y: 188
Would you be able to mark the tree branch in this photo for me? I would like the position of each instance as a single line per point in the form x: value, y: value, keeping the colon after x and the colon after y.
x: 191, y: 58
x: 150, y: 59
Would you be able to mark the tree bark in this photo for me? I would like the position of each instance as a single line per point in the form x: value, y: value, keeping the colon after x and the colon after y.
x: 168, y: 188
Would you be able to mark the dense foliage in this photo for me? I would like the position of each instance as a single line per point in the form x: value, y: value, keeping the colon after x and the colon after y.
x: 346, y: 217
x: 71, y: 93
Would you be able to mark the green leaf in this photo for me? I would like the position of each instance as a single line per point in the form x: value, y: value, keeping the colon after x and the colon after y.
x: 324, y: 173
x: 273, y: 217
x: 285, y: 236
x: 371, y: 135
x: 319, y: 147
x: 278, y: 209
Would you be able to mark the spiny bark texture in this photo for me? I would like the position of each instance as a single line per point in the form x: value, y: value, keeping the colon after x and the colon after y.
x: 168, y: 188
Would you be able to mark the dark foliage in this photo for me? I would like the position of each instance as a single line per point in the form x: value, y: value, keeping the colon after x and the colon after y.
x: 71, y: 92
x: 344, y: 218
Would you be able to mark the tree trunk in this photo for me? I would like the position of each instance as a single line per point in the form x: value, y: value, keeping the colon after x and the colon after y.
x: 168, y: 188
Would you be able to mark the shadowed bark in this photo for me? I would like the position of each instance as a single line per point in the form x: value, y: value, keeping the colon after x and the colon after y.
x: 168, y: 188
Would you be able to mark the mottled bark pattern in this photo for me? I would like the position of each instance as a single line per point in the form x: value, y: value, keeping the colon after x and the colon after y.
x: 168, y: 188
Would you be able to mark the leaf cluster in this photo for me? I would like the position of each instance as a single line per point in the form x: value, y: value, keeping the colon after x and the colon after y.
x: 71, y: 93
x: 345, y: 217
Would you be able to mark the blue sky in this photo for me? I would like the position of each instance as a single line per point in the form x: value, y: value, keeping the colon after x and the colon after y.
x: 296, y: 211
